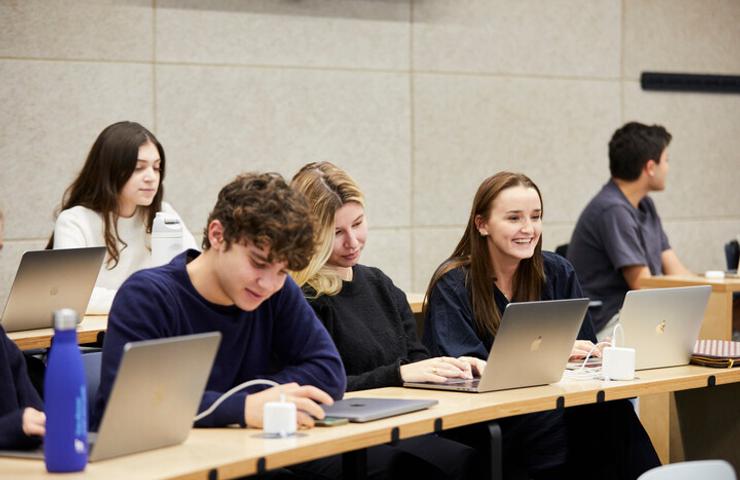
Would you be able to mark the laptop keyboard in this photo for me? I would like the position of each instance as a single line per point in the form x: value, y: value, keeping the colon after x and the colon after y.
x: 462, y: 382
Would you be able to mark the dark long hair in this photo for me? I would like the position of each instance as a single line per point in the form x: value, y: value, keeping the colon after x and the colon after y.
x: 109, y: 165
x: 472, y: 254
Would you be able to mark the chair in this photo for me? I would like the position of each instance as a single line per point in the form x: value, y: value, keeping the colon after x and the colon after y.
x: 709, y: 469
x: 91, y: 362
x: 732, y: 254
x: 562, y: 250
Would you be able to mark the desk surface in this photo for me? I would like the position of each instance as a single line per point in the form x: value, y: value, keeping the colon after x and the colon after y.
x: 237, y: 452
x: 87, y: 332
x: 416, y: 301
x: 728, y: 284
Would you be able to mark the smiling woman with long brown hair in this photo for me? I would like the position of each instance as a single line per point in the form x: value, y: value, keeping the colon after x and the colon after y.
x: 498, y: 260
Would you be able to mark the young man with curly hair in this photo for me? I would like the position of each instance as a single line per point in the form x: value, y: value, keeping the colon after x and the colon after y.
x: 258, y: 230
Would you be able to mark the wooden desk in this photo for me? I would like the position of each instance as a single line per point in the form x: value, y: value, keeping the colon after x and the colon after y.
x: 416, y: 301
x: 87, y: 332
x: 717, y: 322
x: 230, y: 453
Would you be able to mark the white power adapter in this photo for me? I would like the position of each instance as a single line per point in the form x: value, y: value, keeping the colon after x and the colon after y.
x: 279, y: 418
x: 618, y: 363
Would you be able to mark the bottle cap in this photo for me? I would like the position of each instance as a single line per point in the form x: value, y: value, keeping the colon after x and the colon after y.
x: 65, y: 319
x: 166, y: 225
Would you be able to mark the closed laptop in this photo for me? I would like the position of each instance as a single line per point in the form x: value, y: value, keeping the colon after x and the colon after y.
x: 362, y: 409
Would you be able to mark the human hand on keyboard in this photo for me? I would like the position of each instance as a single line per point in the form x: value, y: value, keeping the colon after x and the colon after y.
x: 436, y: 370
x: 477, y: 365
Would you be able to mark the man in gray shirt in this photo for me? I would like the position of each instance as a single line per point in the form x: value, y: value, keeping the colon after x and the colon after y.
x: 619, y: 237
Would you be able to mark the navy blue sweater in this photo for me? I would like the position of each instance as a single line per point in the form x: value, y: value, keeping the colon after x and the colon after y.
x: 282, y: 340
x: 16, y: 393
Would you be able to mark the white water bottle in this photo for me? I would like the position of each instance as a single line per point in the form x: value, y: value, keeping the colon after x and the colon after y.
x: 166, y: 238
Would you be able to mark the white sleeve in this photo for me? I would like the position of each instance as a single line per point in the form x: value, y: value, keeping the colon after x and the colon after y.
x: 69, y: 231
x: 100, y: 301
x: 188, y: 241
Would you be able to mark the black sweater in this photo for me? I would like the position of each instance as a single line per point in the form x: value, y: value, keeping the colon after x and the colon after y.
x: 373, y: 327
x: 16, y: 393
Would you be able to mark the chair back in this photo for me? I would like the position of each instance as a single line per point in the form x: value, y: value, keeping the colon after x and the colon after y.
x: 702, y: 469
x: 732, y: 254
x: 91, y: 362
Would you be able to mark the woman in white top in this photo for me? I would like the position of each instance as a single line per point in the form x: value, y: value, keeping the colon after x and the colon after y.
x: 112, y: 203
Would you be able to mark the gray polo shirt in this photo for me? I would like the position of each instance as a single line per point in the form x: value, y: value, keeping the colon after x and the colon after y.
x: 612, y: 234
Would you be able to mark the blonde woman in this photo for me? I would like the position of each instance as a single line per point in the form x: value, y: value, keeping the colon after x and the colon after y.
x: 369, y: 318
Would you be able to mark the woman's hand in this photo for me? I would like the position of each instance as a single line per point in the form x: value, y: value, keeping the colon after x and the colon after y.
x: 582, y: 347
x: 34, y: 422
x: 477, y: 366
x: 435, y: 370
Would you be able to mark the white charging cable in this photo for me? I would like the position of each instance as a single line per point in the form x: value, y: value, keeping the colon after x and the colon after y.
x: 584, y: 373
x: 241, y: 386
x: 614, y: 334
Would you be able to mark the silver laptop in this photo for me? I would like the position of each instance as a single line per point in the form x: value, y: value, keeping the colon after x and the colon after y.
x: 48, y: 280
x: 366, y: 409
x: 662, y: 324
x: 532, y: 347
x: 154, y: 399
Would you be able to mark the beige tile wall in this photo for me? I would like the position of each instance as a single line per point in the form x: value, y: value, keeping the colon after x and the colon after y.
x: 418, y: 99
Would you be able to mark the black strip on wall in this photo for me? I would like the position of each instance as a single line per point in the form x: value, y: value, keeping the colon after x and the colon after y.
x: 686, y: 82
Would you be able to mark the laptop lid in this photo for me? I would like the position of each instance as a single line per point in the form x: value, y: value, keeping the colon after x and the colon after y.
x: 533, y: 343
x: 48, y: 280
x: 532, y: 346
x: 156, y: 394
x: 361, y: 409
x: 662, y: 324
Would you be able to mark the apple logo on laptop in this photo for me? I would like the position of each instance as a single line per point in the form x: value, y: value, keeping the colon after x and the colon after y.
x: 536, y: 344
x: 660, y: 329
x: 158, y: 397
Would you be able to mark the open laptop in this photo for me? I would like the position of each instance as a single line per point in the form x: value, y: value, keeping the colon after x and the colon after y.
x: 662, y: 324
x: 154, y: 399
x: 532, y: 347
x: 362, y: 409
x: 48, y: 280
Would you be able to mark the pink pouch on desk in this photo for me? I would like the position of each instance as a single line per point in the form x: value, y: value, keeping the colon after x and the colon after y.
x: 716, y: 353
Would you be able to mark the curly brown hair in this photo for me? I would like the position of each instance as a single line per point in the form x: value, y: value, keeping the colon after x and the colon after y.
x: 262, y: 210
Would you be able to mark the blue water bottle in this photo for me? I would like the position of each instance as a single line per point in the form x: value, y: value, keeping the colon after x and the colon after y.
x: 65, y: 399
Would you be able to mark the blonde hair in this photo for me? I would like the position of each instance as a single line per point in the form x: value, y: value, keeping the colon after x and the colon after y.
x: 327, y: 188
